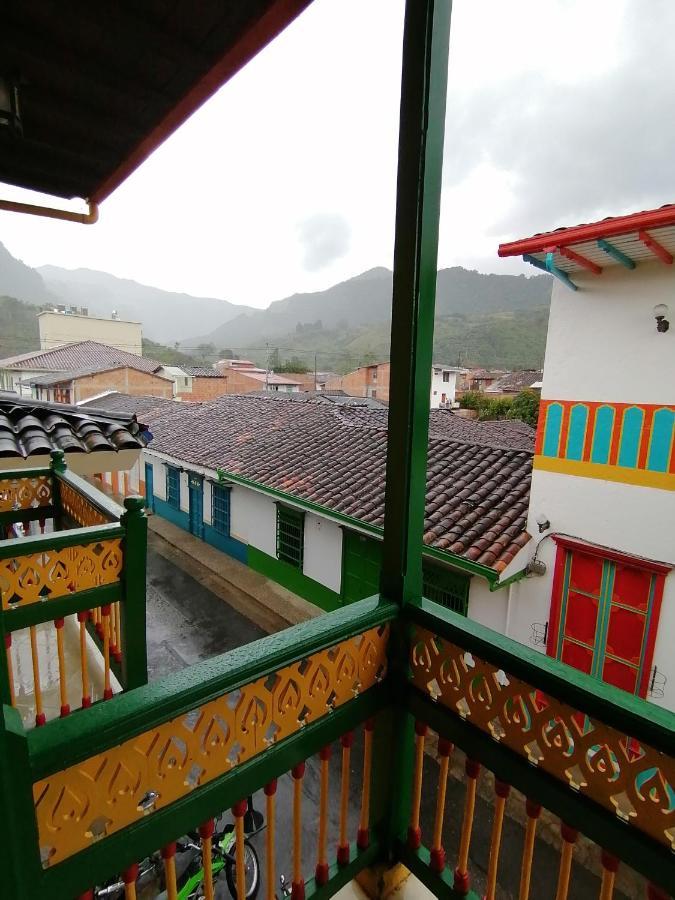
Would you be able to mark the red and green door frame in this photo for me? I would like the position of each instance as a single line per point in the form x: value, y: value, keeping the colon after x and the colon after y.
x: 605, y: 613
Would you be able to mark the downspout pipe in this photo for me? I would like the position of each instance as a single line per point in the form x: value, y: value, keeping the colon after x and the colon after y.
x: 47, y: 212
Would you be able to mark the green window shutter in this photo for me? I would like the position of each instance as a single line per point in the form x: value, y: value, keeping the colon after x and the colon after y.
x: 290, y: 535
x: 220, y: 509
x: 173, y: 486
x: 447, y: 587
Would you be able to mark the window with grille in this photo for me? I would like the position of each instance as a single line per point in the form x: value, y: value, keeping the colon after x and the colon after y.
x: 173, y: 487
x: 290, y: 535
x: 220, y: 509
x: 449, y: 588
x: 446, y: 377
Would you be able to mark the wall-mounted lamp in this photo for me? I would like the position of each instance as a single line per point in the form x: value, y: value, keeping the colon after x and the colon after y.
x: 10, y: 109
x: 543, y: 523
x: 660, y: 313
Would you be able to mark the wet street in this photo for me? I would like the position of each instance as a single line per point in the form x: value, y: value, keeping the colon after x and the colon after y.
x: 187, y: 623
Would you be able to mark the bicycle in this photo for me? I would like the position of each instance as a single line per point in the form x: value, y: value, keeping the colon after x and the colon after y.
x: 190, y: 871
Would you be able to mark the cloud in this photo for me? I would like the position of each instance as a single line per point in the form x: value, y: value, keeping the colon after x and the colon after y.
x: 325, y: 237
x: 573, y: 150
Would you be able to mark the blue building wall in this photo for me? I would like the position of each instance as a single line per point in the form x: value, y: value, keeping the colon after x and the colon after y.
x: 228, y: 545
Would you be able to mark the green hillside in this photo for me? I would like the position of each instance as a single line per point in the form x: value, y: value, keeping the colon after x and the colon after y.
x: 510, y: 340
x: 18, y: 327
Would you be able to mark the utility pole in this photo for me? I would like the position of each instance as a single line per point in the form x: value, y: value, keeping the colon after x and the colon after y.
x: 316, y: 386
x: 267, y: 366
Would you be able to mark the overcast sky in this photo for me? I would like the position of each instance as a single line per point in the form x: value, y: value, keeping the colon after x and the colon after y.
x: 559, y: 112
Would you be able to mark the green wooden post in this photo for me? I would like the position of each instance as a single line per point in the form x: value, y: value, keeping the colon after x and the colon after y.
x: 5, y: 641
x: 134, y: 644
x: 20, y: 863
x: 426, y: 41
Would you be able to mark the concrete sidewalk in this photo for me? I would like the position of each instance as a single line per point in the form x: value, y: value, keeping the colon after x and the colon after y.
x: 264, y: 602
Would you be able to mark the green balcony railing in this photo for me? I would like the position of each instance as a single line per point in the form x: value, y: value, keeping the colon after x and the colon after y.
x: 72, y: 591
x: 96, y: 793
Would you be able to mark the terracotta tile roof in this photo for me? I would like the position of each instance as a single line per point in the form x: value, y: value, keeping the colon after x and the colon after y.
x: 504, y: 434
x: 63, y: 376
x: 81, y: 355
x: 31, y: 428
x: 127, y: 404
x: 201, y: 372
x: 477, y: 486
x: 514, y: 382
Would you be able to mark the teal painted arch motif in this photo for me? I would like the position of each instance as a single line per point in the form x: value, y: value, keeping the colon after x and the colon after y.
x: 661, y: 440
x: 631, y: 434
x: 552, y: 429
x: 576, y: 436
x: 602, y: 435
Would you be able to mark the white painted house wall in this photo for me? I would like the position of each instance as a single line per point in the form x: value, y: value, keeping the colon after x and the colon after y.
x: 253, y: 519
x: 439, y: 387
x: 488, y: 607
x: 158, y: 476
x: 208, y: 518
x: 253, y: 522
x: 323, y: 551
x: 603, y: 346
x: 184, y: 492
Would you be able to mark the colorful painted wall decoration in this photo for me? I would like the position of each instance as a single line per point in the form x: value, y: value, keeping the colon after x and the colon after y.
x: 627, y: 442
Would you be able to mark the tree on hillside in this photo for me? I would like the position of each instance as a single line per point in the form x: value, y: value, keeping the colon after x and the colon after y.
x: 294, y: 364
x: 274, y: 360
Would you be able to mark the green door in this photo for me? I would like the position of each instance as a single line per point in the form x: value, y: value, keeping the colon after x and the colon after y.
x: 361, y: 562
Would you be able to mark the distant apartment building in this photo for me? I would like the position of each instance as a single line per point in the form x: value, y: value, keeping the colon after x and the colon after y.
x: 478, y: 379
x: 514, y: 382
x: 83, y: 384
x: 16, y: 372
x: 194, y: 383
x: 244, y: 377
x: 72, y: 324
x: 373, y: 381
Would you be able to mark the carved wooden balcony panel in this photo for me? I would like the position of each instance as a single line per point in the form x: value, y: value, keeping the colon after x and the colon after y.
x: 36, y: 577
x: 25, y: 493
x: 627, y: 777
x: 113, y: 789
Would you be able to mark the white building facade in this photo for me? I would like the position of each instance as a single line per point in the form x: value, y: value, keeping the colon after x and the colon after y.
x: 443, y: 385
x: 602, y: 507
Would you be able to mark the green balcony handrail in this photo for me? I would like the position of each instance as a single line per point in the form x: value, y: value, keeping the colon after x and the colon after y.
x: 604, y: 742
x: 615, y: 707
x: 58, y: 540
x: 63, y: 743
x: 95, y: 497
x: 68, y: 741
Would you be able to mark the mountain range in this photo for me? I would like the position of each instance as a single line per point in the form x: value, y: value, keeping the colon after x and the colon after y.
x: 485, y: 319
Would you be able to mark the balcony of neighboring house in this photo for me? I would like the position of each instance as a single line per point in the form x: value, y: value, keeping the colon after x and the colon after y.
x: 63, y: 589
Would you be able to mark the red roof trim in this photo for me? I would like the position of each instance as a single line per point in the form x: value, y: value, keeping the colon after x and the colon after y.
x: 578, y: 234
x: 271, y: 23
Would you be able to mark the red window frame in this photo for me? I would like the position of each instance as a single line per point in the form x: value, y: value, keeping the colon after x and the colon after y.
x: 656, y: 570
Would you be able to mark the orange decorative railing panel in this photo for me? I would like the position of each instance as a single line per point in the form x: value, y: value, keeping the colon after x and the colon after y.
x: 79, y: 507
x: 120, y: 786
x: 625, y: 776
x: 30, y: 492
x: 36, y: 577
